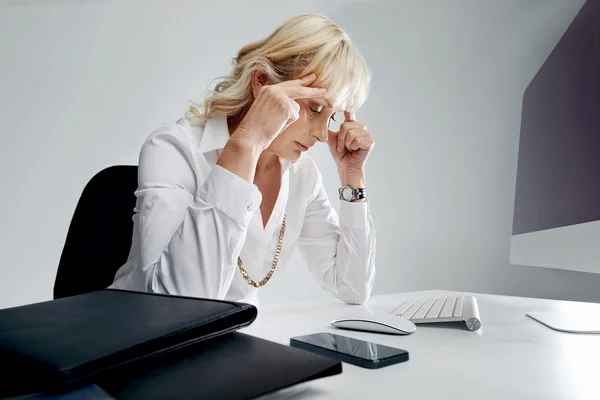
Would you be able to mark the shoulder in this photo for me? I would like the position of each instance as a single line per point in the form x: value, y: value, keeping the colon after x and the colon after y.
x: 179, y: 134
x: 167, y: 156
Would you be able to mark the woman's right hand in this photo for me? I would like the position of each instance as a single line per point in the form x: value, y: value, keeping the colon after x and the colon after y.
x: 274, y: 109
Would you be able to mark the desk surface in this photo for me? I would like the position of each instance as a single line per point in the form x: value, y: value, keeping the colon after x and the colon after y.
x: 510, y: 357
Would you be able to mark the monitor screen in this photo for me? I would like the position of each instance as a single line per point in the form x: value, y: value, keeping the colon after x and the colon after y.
x: 556, y: 220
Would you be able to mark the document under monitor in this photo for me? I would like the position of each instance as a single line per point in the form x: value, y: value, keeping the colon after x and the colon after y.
x: 556, y: 220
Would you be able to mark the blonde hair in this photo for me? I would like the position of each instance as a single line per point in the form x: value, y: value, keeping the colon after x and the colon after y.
x: 302, y: 45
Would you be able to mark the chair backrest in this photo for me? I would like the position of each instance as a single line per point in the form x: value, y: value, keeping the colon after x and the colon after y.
x: 99, y: 236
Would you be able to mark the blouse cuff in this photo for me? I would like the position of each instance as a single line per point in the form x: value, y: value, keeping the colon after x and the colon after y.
x: 354, y: 215
x: 231, y: 194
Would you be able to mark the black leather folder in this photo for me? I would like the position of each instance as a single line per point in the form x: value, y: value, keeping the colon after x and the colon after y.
x: 139, y: 345
x: 66, y: 343
x: 233, y: 366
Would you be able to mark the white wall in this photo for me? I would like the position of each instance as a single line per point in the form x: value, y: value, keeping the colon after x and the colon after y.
x: 82, y: 83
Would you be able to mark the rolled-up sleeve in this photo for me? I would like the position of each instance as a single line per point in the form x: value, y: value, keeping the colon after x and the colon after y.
x: 191, y: 227
x: 339, y: 249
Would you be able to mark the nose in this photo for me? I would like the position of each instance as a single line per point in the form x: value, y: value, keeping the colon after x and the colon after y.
x: 321, y: 133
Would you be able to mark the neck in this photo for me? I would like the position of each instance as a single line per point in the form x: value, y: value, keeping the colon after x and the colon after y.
x: 267, y: 162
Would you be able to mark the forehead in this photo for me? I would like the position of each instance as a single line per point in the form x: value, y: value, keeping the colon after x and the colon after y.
x: 338, y: 98
x: 338, y: 88
x: 334, y: 101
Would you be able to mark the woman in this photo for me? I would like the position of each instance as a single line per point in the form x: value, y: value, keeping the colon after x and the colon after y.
x: 225, y: 195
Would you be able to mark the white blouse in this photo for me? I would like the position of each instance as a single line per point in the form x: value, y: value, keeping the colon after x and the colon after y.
x: 194, y: 218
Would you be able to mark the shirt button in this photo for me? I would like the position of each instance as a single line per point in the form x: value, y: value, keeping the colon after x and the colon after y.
x: 249, y: 207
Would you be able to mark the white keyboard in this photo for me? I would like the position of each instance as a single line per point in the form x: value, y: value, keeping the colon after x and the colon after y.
x: 441, y: 309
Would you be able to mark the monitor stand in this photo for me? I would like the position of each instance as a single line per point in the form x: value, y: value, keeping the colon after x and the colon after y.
x: 571, y: 322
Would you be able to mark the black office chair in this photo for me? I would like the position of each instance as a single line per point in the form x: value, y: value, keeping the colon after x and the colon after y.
x: 99, y: 237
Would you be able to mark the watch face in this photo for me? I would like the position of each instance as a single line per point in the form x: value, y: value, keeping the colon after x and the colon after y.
x: 347, y: 193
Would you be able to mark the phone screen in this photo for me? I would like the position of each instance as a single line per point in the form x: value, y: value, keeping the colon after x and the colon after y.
x: 353, y: 351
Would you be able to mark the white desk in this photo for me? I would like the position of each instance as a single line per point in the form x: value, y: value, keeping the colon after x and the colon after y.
x: 510, y: 357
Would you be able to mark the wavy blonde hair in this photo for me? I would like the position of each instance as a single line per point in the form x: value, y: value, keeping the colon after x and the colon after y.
x: 302, y: 45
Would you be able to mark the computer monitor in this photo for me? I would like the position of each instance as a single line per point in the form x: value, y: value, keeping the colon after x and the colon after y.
x: 556, y: 220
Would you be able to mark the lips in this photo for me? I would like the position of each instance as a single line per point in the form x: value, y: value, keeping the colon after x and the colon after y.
x: 301, y: 146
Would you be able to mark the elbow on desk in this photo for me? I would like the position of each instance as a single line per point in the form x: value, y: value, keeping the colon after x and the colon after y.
x: 358, y: 294
x: 356, y: 300
x: 355, y: 296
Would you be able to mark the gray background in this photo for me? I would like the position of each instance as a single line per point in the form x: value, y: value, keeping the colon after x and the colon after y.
x: 82, y: 83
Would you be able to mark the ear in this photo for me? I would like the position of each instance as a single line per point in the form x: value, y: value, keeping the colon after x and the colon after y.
x: 259, y: 79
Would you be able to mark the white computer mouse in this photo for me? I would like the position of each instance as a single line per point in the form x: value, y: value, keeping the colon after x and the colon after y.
x: 375, y: 322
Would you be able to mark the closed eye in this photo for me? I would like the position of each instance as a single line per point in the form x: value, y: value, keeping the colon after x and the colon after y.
x: 317, y: 112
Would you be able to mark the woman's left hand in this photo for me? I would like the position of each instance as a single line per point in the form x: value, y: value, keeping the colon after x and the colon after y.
x: 350, y: 148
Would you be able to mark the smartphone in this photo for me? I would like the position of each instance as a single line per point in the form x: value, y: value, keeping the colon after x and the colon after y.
x: 352, y: 351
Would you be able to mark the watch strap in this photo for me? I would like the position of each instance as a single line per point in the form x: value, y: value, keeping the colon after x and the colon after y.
x: 359, y: 194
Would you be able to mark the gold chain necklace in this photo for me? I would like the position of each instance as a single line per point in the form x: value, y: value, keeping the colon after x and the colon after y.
x: 273, y: 265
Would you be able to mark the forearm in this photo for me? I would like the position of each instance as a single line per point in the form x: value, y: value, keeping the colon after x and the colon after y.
x: 339, y: 249
x: 355, y: 262
x: 194, y: 263
x: 343, y: 259
x: 354, y: 179
x: 199, y: 258
x: 240, y: 156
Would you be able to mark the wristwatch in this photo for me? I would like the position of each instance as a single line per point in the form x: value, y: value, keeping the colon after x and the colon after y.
x: 350, y: 194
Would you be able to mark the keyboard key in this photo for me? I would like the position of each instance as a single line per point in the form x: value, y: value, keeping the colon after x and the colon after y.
x: 448, y: 307
x: 414, y: 308
x: 434, y: 311
x: 420, y: 314
x: 404, y: 306
x: 458, y: 309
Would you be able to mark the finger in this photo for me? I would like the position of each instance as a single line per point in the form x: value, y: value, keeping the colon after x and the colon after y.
x: 332, y: 138
x: 341, y: 142
x: 358, y: 144
x: 344, y: 128
x: 303, y: 92
x: 304, y: 81
x: 362, y: 143
x: 352, y: 125
x: 341, y: 137
x: 354, y: 143
x: 353, y: 134
x: 350, y: 115
x: 294, y: 113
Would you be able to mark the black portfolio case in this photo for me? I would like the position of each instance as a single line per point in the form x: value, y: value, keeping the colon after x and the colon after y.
x: 140, y: 345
